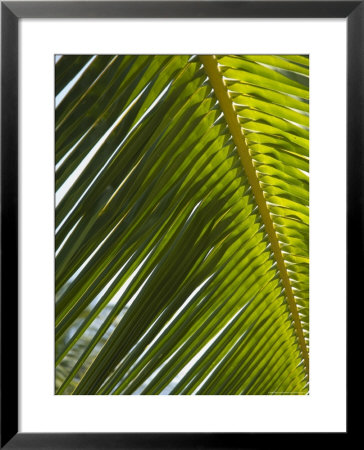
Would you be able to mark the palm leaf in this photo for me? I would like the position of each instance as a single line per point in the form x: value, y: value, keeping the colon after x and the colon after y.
x: 182, y: 224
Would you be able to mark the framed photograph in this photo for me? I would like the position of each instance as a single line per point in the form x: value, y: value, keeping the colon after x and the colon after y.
x: 181, y: 198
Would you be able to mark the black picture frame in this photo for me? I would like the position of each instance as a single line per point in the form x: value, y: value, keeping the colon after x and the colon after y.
x: 11, y: 12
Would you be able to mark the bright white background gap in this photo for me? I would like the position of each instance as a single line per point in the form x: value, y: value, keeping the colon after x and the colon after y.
x: 324, y: 409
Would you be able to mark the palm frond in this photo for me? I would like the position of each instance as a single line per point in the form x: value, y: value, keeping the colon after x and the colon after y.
x: 182, y: 224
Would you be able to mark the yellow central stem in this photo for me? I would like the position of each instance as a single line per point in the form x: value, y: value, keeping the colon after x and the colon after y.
x: 226, y: 104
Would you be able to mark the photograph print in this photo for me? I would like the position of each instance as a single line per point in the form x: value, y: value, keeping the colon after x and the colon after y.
x: 182, y: 224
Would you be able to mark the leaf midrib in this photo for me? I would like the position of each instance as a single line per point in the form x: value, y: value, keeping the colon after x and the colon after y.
x: 212, y: 70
